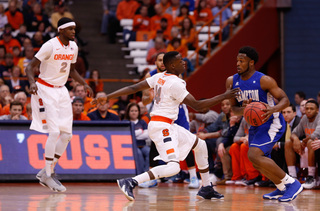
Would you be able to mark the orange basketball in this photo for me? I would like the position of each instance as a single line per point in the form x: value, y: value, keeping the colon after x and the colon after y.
x: 252, y: 113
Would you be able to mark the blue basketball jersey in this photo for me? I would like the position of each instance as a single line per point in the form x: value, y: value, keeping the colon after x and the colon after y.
x: 267, y: 134
x: 183, y: 119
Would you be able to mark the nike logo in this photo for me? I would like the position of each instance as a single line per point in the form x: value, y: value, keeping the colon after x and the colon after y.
x: 58, y: 49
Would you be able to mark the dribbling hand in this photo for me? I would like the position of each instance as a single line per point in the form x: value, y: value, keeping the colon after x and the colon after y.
x: 33, y: 88
x: 268, y: 112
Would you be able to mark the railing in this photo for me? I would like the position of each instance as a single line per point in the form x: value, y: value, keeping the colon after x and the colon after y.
x: 248, y: 5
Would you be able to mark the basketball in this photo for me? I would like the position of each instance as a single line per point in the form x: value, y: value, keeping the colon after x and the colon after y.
x: 252, y: 113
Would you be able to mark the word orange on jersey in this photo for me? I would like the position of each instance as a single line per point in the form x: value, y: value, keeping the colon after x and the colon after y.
x: 63, y: 56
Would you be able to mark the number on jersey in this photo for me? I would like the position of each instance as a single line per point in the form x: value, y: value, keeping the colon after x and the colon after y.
x: 63, y: 68
x: 157, y: 97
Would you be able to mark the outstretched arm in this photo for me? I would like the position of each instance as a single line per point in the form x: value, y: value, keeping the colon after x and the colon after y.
x: 129, y: 89
x: 199, y: 105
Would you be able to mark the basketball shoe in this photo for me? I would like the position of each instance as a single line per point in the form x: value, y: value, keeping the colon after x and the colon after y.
x: 52, y: 182
x: 40, y: 173
x: 126, y: 186
x: 274, y: 194
x: 291, y: 191
x: 209, y: 193
x: 194, y: 183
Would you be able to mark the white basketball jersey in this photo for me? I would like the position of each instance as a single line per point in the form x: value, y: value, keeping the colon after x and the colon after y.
x: 56, y: 59
x: 169, y: 92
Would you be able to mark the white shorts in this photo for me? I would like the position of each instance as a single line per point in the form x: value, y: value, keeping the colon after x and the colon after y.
x: 51, y: 110
x: 173, y: 142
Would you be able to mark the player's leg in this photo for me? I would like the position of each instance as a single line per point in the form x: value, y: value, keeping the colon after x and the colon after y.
x: 194, y: 182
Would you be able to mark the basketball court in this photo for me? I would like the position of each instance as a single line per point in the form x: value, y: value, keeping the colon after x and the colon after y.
x: 107, y: 196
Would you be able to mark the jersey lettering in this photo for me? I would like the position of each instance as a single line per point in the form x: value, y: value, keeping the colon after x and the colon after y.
x: 63, y: 56
x: 157, y: 96
x: 248, y: 94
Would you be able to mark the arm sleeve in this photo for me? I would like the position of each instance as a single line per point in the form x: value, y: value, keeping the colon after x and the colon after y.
x: 45, y: 52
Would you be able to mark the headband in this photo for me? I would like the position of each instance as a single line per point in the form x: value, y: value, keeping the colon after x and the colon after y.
x: 63, y: 26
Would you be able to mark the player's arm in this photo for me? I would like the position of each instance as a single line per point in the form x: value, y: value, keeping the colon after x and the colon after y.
x: 269, y: 84
x: 147, y: 95
x: 76, y: 76
x: 237, y: 110
x: 142, y: 85
x: 30, y: 74
x: 200, y: 105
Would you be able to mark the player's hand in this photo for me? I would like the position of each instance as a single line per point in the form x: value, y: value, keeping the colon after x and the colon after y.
x: 33, y: 88
x: 88, y: 90
x: 315, y: 144
x: 231, y: 93
x: 268, y: 112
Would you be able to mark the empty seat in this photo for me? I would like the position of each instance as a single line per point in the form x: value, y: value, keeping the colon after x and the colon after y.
x: 204, y: 37
x: 137, y: 53
x: 236, y: 6
x: 142, y: 67
x: 205, y: 29
x: 138, y: 45
x: 139, y: 60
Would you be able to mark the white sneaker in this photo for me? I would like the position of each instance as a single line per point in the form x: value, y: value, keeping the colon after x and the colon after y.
x: 194, y: 183
x: 310, y: 183
x: 230, y: 182
x: 52, y: 182
x: 241, y: 182
x: 40, y: 173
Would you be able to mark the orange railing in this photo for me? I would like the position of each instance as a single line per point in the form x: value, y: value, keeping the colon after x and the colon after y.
x: 245, y: 6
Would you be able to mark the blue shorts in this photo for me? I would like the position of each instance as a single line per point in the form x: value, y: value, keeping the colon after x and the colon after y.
x: 266, y: 135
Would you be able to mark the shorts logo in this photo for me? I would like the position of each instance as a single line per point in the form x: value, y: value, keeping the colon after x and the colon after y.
x: 165, y: 132
x: 40, y: 102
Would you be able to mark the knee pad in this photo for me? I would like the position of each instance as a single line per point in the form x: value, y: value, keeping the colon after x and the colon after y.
x: 65, y: 136
x: 53, y: 136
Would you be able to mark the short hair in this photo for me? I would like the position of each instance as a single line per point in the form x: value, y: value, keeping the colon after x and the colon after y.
x: 77, y: 100
x: 314, y: 102
x: 293, y: 107
x: 250, y: 52
x: 169, y: 57
x: 164, y: 20
x: 301, y: 94
x: 159, y: 55
x: 16, y: 103
x: 64, y: 20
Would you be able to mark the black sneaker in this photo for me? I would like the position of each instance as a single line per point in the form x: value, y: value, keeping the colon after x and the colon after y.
x: 263, y: 183
x: 209, y: 193
x: 253, y: 181
x: 310, y: 183
x: 126, y: 186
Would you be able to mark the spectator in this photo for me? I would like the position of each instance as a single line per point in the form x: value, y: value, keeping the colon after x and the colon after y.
x: 7, y: 68
x: 133, y: 114
x: 175, y: 45
x: 19, y: 97
x: 156, y: 19
x: 145, y: 116
x: 29, y: 111
x: 302, y: 108
x: 308, y: 127
x: 95, y: 82
x: 2, y: 56
x: 189, y: 3
x: 174, y: 9
x: 126, y: 9
x: 188, y: 34
x: 141, y: 24
x: 16, y: 52
x: 15, y: 17
x: 213, y: 135
x: 37, y: 41
x: 110, y: 9
x: 22, y: 33
x: 210, y: 3
x: 102, y: 113
x: 184, y: 13
x: 150, y: 5
x: 164, y: 5
x: 198, y: 121
x: 24, y: 61
x: 9, y: 42
x: 79, y: 91
x: 15, y: 112
x: 158, y: 48
x: 15, y: 83
x: 202, y: 13
x: 77, y: 110
x: 159, y: 34
x: 5, y: 96
x: 38, y: 17
x: 298, y: 98
x: 226, y: 18
x: 60, y: 13
x: 3, y: 18
x: 121, y: 105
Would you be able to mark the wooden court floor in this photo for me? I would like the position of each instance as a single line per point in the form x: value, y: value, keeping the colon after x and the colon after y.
x: 107, y: 196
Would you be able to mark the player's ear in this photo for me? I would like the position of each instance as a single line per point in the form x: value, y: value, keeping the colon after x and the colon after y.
x: 251, y: 62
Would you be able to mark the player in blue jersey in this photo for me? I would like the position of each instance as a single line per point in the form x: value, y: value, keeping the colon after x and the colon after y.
x: 183, y: 121
x: 258, y: 87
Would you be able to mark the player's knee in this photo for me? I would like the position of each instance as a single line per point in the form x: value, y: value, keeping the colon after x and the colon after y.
x: 253, y: 156
x: 54, y: 135
x: 173, y: 168
x: 66, y: 136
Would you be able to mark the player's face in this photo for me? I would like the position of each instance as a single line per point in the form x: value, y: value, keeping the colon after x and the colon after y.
x: 134, y: 113
x: 179, y: 64
x: 77, y: 108
x: 311, y: 110
x: 288, y: 114
x: 159, y: 63
x: 242, y: 64
x: 69, y: 32
x: 16, y: 110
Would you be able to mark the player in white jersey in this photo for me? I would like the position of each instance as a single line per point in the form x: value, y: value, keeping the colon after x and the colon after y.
x: 50, y: 101
x: 173, y: 142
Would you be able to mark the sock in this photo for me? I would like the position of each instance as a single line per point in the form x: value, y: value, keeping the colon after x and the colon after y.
x: 311, y: 171
x: 55, y: 161
x: 287, y: 179
x: 141, y: 178
x: 49, y: 150
x: 49, y: 162
x: 292, y: 171
x: 205, y: 179
x: 281, y: 186
x: 192, y: 172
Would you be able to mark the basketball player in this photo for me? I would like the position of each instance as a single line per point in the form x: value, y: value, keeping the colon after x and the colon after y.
x: 182, y: 120
x: 258, y: 87
x: 172, y: 141
x: 50, y: 101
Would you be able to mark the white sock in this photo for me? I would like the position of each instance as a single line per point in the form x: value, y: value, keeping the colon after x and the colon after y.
x: 48, y: 167
x: 205, y: 179
x: 281, y: 186
x: 49, y: 151
x: 312, y: 171
x: 141, y: 178
x: 292, y: 171
x: 287, y: 179
x: 192, y: 172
